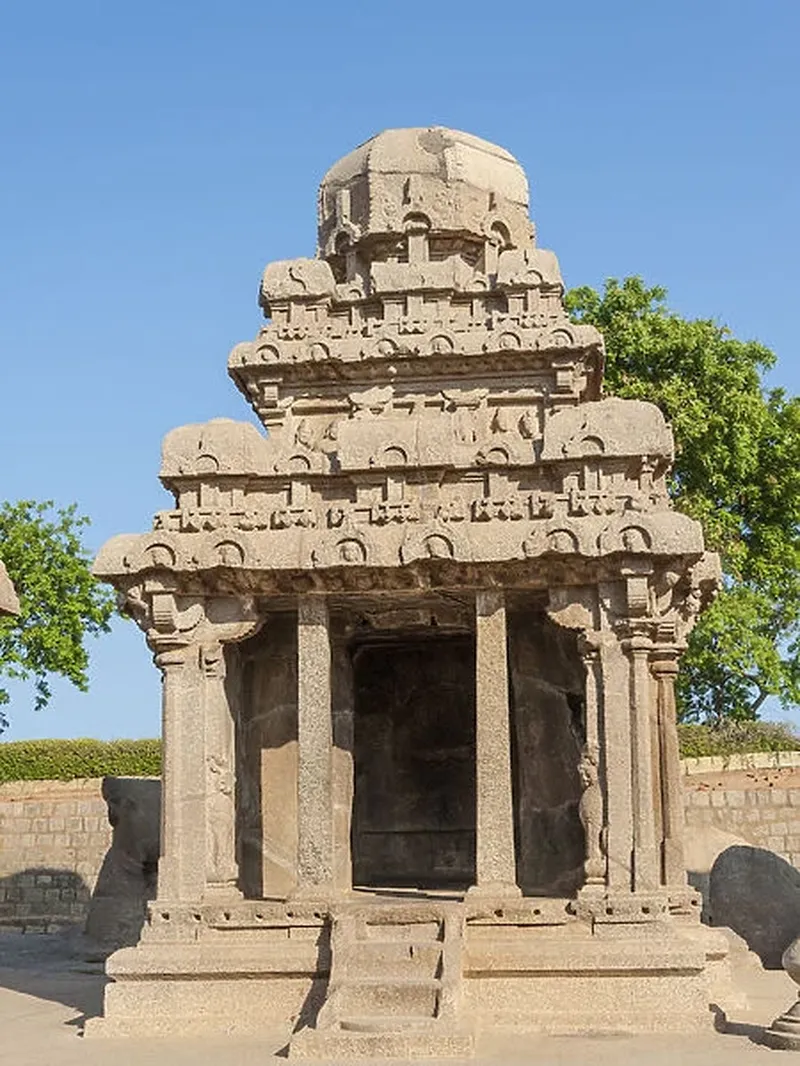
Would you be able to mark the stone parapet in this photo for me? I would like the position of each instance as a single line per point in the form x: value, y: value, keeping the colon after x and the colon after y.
x: 756, y: 760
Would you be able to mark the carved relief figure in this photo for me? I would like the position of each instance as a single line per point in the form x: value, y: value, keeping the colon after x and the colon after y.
x: 590, y: 809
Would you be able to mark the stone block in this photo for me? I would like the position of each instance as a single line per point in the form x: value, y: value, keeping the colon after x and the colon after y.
x: 718, y: 798
x: 757, y: 894
x: 735, y: 797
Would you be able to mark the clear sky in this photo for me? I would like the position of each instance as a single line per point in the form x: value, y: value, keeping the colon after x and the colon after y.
x: 155, y: 156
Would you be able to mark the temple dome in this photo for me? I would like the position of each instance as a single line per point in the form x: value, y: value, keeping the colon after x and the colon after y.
x: 444, y: 180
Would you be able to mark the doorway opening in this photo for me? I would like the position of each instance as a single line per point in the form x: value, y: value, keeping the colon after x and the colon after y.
x: 414, y: 754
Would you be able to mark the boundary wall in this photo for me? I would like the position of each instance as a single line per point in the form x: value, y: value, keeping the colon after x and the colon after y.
x: 54, y: 835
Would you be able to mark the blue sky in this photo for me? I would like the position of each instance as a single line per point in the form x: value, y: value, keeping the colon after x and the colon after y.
x: 156, y: 156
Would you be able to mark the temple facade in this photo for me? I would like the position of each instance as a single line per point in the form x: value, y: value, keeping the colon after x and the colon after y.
x: 418, y: 645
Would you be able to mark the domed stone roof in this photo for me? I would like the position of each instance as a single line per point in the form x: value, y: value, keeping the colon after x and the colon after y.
x: 440, y: 180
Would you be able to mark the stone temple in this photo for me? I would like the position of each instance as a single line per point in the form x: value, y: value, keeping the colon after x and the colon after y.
x: 418, y: 644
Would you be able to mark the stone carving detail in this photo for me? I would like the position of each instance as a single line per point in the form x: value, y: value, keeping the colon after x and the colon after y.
x: 591, y: 814
x: 443, y: 516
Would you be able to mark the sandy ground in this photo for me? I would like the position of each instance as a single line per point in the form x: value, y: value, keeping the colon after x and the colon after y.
x: 45, y: 996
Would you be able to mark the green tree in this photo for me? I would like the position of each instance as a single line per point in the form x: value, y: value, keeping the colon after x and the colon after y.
x: 737, y: 471
x: 60, y: 601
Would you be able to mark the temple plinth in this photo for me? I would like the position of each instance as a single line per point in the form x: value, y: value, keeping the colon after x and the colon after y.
x: 418, y: 642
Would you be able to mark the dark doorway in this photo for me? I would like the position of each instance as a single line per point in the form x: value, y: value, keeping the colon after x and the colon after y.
x: 414, y: 746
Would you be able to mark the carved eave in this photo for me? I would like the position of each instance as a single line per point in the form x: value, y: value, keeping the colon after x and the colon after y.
x: 666, y: 535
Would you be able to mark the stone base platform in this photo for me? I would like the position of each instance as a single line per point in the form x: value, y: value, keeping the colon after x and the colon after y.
x: 404, y: 976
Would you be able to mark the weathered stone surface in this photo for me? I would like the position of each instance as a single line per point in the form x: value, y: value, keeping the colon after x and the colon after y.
x: 757, y: 894
x: 421, y: 636
x: 9, y: 601
x: 703, y: 847
x: 127, y: 878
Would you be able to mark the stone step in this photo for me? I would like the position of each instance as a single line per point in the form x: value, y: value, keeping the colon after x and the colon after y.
x: 387, y: 1023
x: 335, y: 1044
x: 395, y: 996
x: 401, y: 958
x: 419, y: 932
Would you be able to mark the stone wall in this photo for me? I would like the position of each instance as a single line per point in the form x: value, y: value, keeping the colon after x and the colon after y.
x: 53, y: 838
x: 54, y: 835
x: 755, y: 798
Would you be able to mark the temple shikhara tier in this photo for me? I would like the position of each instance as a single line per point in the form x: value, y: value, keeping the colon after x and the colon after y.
x: 418, y: 645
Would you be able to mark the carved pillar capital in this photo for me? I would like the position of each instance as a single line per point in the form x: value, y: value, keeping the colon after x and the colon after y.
x: 635, y: 636
x: 664, y: 661
x: 173, y: 620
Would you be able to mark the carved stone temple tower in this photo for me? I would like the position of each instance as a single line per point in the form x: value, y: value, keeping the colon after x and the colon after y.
x: 418, y: 645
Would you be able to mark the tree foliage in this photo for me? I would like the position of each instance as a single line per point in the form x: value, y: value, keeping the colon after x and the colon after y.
x: 737, y: 471
x: 60, y: 601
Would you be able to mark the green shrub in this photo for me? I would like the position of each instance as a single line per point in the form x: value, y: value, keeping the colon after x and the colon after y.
x: 731, y: 737
x: 65, y: 760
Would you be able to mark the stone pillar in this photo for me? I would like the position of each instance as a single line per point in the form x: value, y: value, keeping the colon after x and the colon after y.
x: 342, y: 702
x: 186, y: 634
x: 615, y: 703
x: 664, y: 665
x: 645, y: 860
x: 222, y: 869
x: 181, y: 867
x: 592, y: 772
x: 314, y: 746
x: 495, y: 859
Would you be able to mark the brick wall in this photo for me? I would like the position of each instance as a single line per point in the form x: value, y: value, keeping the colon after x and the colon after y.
x: 53, y: 838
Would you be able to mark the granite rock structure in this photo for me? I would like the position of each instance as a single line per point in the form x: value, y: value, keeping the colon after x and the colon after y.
x: 418, y: 647
x: 9, y: 601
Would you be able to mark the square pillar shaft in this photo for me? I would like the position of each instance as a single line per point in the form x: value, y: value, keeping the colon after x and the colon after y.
x: 314, y: 744
x: 182, y: 865
x: 645, y: 859
x: 494, y: 851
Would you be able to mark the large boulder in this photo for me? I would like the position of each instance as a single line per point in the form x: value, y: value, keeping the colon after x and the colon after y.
x: 757, y: 894
x: 704, y: 844
x: 127, y: 878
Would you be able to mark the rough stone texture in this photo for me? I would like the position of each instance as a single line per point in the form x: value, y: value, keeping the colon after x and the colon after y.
x: 757, y: 894
x: 759, y: 803
x: 549, y: 843
x: 46, y: 995
x: 440, y: 466
x: 495, y: 866
x: 549, y: 731
x: 54, y: 836
x: 127, y: 878
x: 784, y: 1033
x: 9, y: 601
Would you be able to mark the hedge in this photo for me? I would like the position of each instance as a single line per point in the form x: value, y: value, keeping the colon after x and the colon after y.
x: 733, y: 737
x: 65, y: 760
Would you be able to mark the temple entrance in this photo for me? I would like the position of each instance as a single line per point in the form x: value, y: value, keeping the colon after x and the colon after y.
x: 414, y: 753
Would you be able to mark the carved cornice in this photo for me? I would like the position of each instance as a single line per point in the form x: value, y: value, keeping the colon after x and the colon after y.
x: 395, y: 541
